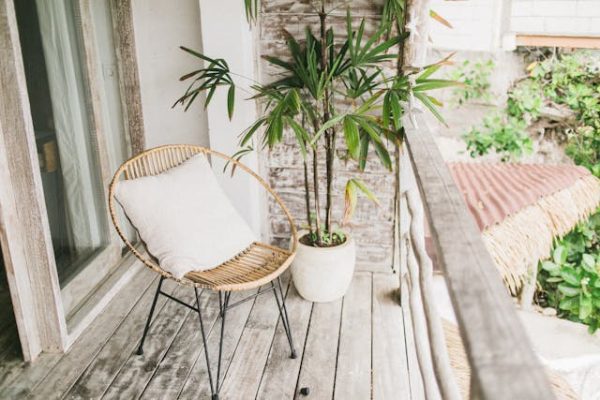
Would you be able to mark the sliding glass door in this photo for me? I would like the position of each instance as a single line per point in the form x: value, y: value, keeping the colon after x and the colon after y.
x: 77, y: 145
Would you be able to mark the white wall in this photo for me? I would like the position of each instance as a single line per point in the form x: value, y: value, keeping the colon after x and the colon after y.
x: 491, y: 25
x: 160, y: 28
x: 556, y: 17
x: 226, y: 34
x: 477, y: 24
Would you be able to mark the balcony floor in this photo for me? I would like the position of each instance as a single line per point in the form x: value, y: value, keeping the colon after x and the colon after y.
x: 354, y: 348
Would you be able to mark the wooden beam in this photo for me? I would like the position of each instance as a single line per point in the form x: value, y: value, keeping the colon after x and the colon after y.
x: 575, y: 42
x: 500, y: 354
x: 24, y: 229
x: 129, y: 79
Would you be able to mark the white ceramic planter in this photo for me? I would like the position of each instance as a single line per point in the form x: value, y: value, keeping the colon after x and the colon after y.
x: 323, y: 274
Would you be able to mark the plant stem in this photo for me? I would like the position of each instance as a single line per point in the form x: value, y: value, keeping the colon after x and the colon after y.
x: 307, y: 197
x: 329, y: 134
x: 316, y: 191
x: 306, y: 186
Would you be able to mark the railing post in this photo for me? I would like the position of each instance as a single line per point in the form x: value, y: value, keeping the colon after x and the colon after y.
x: 418, y: 320
x: 420, y: 270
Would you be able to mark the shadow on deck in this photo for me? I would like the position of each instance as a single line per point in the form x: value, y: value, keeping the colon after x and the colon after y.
x: 353, y: 348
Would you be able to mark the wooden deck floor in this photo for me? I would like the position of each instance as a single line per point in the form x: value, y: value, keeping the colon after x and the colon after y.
x: 351, y: 349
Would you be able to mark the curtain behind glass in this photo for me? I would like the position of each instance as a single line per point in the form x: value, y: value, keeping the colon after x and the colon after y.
x: 77, y: 159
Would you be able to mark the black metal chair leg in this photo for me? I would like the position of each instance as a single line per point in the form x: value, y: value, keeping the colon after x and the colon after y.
x: 215, y: 385
x: 140, y: 349
x: 284, y: 315
x: 204, y: 342
x: 224, y: 300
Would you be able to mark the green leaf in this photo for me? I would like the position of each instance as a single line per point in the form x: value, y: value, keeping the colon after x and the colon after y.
x: 429, y: 104
x: 370, y: 129
x: 301, y: 135
x: 433, y: 84
x: 385, y: 112
x: 383, y: 154
x: 230, y: 100
x: 352, y: 136
x: 367, y: 192
x: 364, y: 152
x: 570, y: 276
x: 367, y: 105
x: 559, y: 255
x: 278, y: 62
x: 396, y: 111
x: 198, y: 54
x: 332, y: 122
x: 585, y: 307
x: 568, y: 291
x: 594, y: 324
x: 430, y: 70
x: 251, y: 130
x: 588, y: 263
x: 569, y: 303
x: 550, y: 266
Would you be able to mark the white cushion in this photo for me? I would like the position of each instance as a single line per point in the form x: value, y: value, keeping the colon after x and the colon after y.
x: 184, y: 217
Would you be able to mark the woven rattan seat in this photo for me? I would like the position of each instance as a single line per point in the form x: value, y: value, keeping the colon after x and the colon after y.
x: 258, y: 264
x: 255, y: 266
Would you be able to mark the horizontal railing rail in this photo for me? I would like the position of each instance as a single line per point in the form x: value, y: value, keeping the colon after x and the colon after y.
x: 502, y: 362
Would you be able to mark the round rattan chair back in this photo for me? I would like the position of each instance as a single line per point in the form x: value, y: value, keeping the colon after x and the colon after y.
x: 258, y: 265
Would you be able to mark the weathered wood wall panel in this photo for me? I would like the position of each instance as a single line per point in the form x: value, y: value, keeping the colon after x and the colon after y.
x: 371, y: 225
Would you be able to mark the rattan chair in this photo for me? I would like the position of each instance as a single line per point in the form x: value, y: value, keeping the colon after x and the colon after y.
x: 258, y: 265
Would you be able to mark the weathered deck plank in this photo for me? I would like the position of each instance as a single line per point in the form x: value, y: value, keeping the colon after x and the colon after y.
x: 371, y: 362
x: 243, y: 378
x: 390, y: 361
x: 175, y: 367
x: 66, y: 369
x: 353, y: 375
x: 197, y: 384
x: 320, y: 353
x: 98, y: 376
x: 138, y: 370
x: 281, y: 373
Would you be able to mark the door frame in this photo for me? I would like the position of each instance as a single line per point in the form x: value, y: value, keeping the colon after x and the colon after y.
x: 29, y: 259
x: 24, y: 229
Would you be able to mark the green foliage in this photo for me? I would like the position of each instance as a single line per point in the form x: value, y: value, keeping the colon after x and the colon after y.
x: 570, y: 281
x: 326, y: 239
x: 584, y: 148
x: 328, y: 84
x: 570, y: 81
x: 505, y: 135
x: 208, y: 78
x: 525, y: 100
x: 475, y: 75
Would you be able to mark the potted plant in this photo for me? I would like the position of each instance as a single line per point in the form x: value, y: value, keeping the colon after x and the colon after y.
x: 329, y: 92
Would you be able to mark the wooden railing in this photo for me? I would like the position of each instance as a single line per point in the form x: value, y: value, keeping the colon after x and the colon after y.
x: 500, y: 356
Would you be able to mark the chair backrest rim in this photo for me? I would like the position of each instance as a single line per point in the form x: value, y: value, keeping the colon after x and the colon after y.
x: 125, y: 171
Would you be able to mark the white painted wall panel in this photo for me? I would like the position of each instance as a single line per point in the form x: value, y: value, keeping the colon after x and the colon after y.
x: 160, y: 28
x: 556, y: 17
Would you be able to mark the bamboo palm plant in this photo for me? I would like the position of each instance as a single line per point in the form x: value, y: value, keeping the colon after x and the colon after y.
x: 327, y: 87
